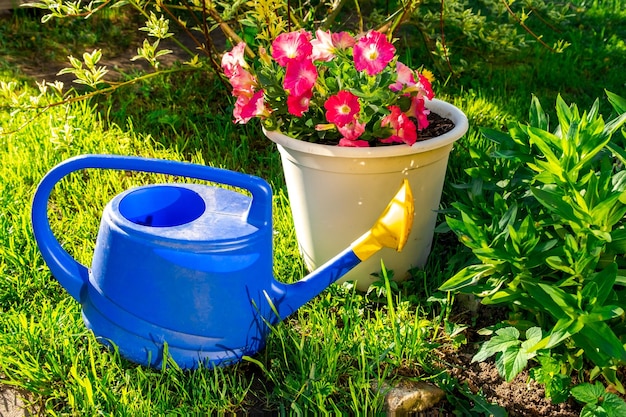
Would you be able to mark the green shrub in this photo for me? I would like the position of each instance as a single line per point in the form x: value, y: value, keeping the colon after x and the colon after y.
x: 543, y: 213
x: 446, y: 29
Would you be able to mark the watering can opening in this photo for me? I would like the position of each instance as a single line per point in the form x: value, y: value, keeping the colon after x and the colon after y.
x: 162, y: 206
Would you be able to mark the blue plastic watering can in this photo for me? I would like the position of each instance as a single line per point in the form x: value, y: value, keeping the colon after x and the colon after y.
x: 189, y: 266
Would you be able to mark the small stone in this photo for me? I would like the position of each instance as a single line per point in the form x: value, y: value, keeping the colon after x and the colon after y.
x: 409, y: 397
x: 11, y: 404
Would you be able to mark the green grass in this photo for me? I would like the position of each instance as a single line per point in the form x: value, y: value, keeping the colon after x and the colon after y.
x: 324, y: 357
x: 327, y: 355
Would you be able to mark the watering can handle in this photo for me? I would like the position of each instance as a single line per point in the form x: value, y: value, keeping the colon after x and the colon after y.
x: 72, y: 274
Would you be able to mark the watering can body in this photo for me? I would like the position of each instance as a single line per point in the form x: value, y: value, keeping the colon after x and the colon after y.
x: 190, y: 285
x: 183, y: 270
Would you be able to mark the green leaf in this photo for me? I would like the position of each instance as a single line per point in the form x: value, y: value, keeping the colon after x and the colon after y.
x: 496, y: 136
x: 564, y: 113
x: 467, y: 276
x: 514, y: 357
x: 549, y: 374
x: 614, y: 405
x: 553, y: 200
x: 618, y: 103
x: 593, y: 411
x: 603, y: 313
x: 504, y: 339
x: 587, y: 393
x: 511, y: 362
x: 562, y: 330
x: 533, y: 335
x: 557, y: 302
x: 557, y: 263
x: 486, y: 408
x: 617, y: 151
x: 542, y: 139
x: 537, y: 116
x: 612, y: 125
x: 587, y: 155
x: 505, y: 295
x: 603, y: 341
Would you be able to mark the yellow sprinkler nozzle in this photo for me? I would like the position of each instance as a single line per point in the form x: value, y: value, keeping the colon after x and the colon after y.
x: 392, y: 228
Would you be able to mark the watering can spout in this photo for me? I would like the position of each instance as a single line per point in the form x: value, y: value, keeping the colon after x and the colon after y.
x: 391, y: 230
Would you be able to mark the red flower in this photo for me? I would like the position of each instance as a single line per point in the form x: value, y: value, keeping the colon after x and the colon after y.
x: 372, y: 53
x: 298, y: 105
x: 242, y: 81
x: 292, y: 45
x: 248, y: 107
x: 342, y: 108
x: 343, y: 40
x: 353, y: 143
x: 352, y: 130
x: 419, y: 112
x: 403, y: 128
x: 427, y: 87
x: 300, y: 76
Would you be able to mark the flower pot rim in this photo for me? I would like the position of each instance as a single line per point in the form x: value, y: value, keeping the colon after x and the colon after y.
x: 442, y: 108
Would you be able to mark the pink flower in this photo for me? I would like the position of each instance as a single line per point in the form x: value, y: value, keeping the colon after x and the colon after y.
x: 242, y: 81
x: 233, y: 59
x: 298, y: 105
x: 419, y: 112
x: 291, y: 45
x: 403, y: 128
x: 323, y: 48
x: 352, y: 131
x: 343, y: 40
x: 248, y: 107
x: 353, y: 143
x: 342, y: 108
x: 427, y: 87
x: 372, y: 53
x: 300, y: 76
x: 406, y: 77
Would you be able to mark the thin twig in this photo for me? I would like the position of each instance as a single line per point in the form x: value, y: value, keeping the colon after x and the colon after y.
x: 208, y: 50
x: 443, y: 38
x: 176, y: 41
x: 42, y: 109
x: 330, y: 19
x: 209, y: 40
x: 526, y: 28
x: 288, y: 15
x: 230, y: 34
x: 535, y: 11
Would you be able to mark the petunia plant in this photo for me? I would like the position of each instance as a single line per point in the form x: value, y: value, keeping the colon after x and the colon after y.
x: 333, y: 88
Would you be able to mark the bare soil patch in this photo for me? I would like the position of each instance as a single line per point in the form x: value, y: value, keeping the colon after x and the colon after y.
x: 11, y: 404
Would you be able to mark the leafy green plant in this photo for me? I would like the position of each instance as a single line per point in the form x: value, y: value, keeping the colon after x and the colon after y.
x: 205, y: 23
x: 512, y: 354
x: 465, y: 402
x: 552, y: 374
x: 598, y: 402
x: 454, y: 29
x: 547, y: 226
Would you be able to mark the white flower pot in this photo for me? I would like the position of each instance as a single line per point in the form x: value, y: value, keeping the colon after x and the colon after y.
x: 337, y: 193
